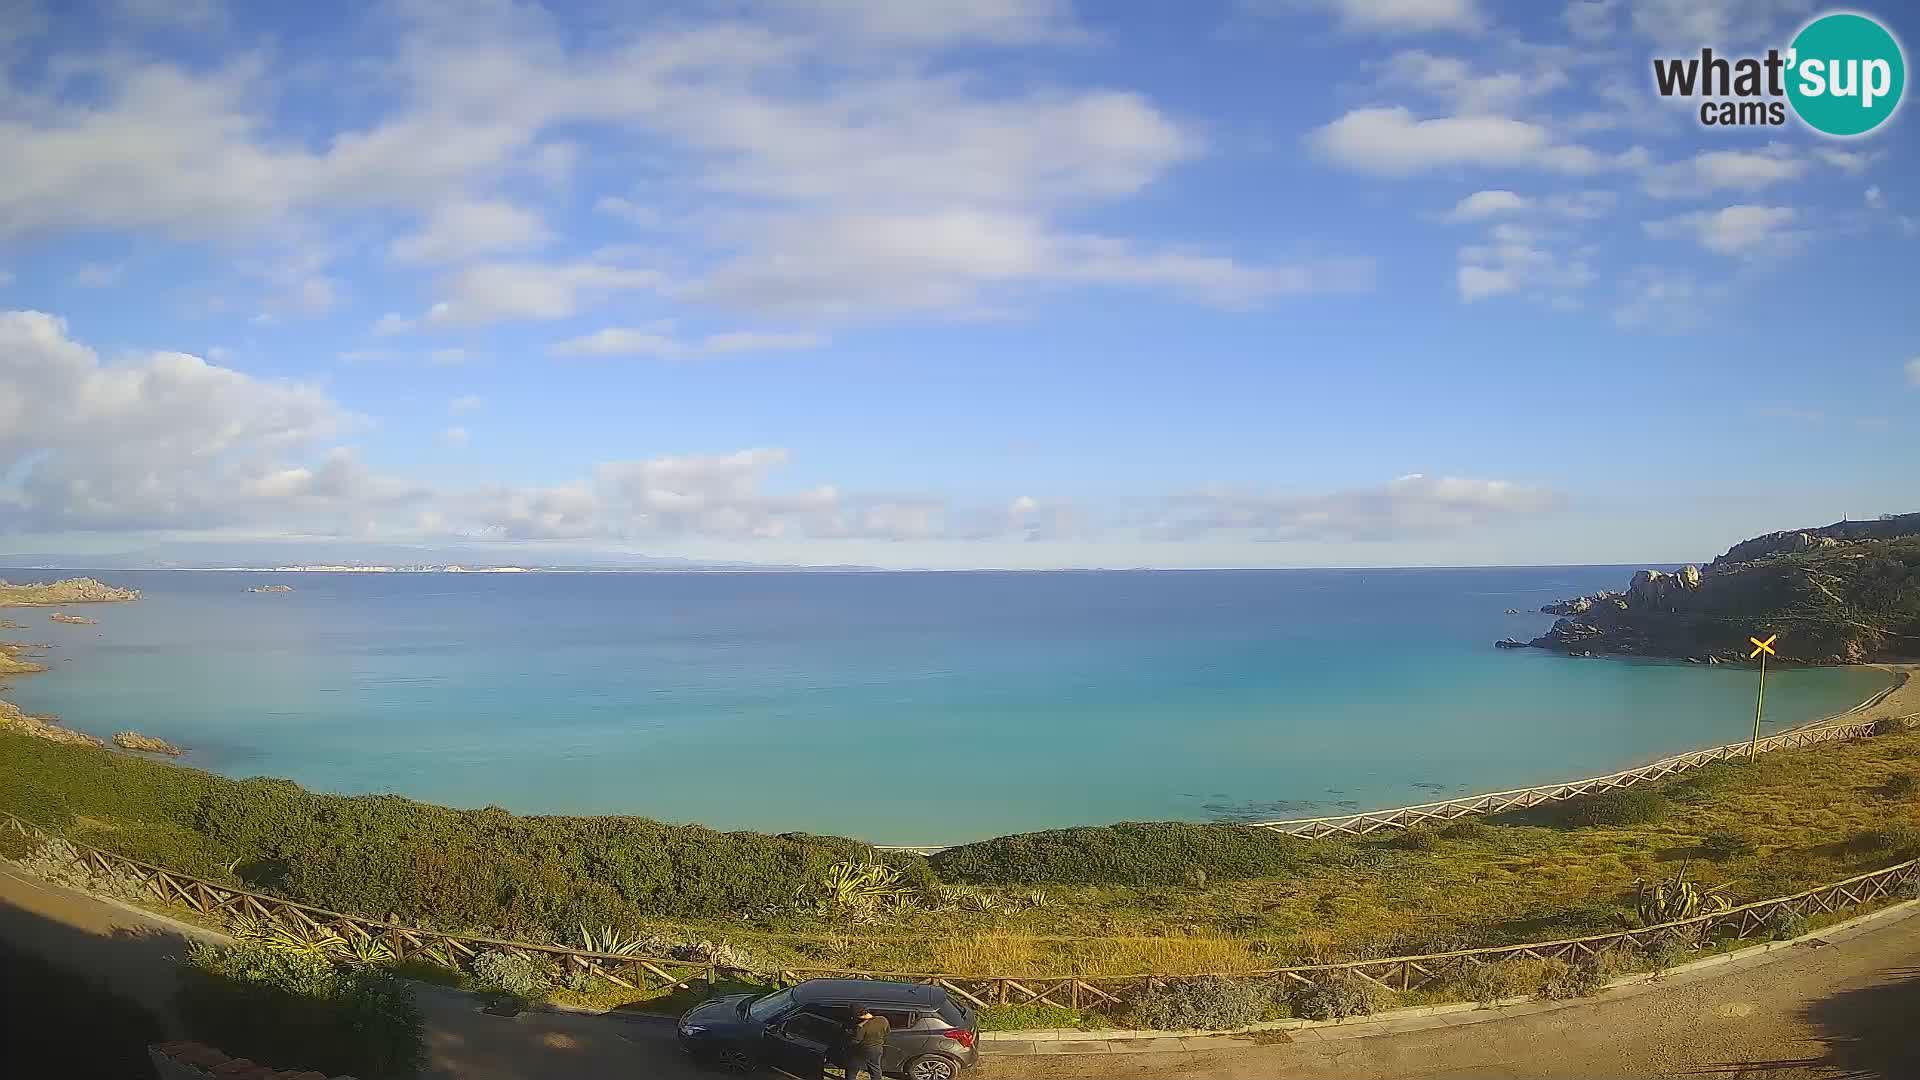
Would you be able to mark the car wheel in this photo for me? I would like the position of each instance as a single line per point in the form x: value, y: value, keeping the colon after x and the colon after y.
x: 734, y: 1060
x: 932, y: 1067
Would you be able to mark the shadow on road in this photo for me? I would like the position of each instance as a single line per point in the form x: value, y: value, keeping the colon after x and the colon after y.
x: 1868, y: 1032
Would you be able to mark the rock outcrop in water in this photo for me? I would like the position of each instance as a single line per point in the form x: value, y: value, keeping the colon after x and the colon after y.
x: 133, y: 740
x: 62, y: 593
x: 1843, y: 594
x: 76, y: 620
x: 269, y: 588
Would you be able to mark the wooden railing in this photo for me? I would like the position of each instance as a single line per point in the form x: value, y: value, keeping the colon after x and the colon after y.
x: 1494, y: 802
x: 228, y: 905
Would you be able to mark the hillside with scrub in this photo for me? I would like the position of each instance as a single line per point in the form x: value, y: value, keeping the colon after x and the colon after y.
x: 1156, y: 897
x: 1845, y: 593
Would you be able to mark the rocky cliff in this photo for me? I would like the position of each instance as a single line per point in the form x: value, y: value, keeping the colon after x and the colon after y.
x: 1843, y: 594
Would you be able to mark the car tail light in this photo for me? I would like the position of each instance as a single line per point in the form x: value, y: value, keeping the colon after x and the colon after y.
x: 963, y: 1036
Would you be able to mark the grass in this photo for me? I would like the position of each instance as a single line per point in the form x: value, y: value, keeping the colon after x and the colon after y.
x: 1811, y: 816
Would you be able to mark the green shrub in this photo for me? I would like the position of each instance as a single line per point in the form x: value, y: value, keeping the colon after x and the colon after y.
x: 1563, y: 981
x: 1900, y: 785
x: 1158, y: 853
x: 1630, y: 806
x: 1033, y: 1016
x: 1784, y: 925
x: 1487, y: 983
x: 1468, y: 828
x: 1723, y: 844
x: 1664, y: 952
x: 1416, y: 840
x: 513, y: 974
x: 1205, y: 1003
x: 298, y: 1011
x: 1899, y: 841
x: 1331, y: 995
x: 1705, y: 783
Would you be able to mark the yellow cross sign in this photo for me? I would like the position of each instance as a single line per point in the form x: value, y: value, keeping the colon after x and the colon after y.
x: 1763, y: 646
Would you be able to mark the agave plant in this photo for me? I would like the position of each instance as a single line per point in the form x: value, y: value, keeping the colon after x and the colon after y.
x: 611, y: 941
x: 1675, y: 899
x: 364, y: 952
x: 856, y: 889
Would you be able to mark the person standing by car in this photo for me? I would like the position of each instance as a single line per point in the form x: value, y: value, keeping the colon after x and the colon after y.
x: 869, y: 1044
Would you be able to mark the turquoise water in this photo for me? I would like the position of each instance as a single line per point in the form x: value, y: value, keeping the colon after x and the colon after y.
x: 900, y: 708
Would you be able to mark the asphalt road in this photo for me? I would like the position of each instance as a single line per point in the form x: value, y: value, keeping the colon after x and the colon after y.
x: 1846, y: 1010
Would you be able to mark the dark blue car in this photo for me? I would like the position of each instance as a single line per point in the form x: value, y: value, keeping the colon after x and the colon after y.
x: 804, y: 1028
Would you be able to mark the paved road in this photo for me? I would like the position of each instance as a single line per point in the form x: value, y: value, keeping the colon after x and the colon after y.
x: 1845, y: 1010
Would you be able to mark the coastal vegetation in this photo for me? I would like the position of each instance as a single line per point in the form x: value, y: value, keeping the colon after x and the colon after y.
x: 288, y: 1003
x: 1170, y: 898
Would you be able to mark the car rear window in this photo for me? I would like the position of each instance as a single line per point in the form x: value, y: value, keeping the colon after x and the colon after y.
x: 952, y: 1015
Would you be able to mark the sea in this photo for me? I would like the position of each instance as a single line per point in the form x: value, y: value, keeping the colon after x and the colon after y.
x: 900, y: 708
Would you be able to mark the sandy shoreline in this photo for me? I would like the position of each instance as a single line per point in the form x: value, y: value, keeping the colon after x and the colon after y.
x: 1903, y: 700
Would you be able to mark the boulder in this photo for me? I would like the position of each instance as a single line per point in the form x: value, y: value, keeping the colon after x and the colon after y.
x: 133, y: 740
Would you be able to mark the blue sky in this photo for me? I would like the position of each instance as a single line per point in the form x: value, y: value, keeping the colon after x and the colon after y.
x: 1004, y: 283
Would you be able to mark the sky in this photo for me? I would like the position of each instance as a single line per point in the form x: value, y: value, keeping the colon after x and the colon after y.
x: 997, y: 283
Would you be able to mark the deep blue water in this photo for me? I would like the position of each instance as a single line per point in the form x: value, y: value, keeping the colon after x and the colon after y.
x: 900, y: 708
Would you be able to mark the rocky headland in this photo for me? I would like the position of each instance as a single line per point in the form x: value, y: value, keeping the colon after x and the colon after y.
x: 1847, y: 593
x: 62, y: 593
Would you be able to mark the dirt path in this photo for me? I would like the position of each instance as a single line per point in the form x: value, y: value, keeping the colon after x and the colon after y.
x: 1826, y: 1012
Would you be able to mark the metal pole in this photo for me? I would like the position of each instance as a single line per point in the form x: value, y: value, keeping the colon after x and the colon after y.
x: 1759, y: 702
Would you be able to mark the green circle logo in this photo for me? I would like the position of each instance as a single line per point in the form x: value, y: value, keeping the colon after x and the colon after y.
x: 1845, y: 75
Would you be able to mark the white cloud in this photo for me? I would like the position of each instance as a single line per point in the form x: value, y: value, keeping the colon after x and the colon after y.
x: 1391, y: 142
x: 164, y: 440
x: 829, y: 109
x: 1387, y: 16
x: 1520, y: 259
x: 1000, y: 22
x: 1454, y: 81
x: 1851, y: 162
x: 447, y: 356
x: 1722, y: 24
x: 1411, y: 505
x: 1591, y: 20
x: 1485, y: 204
x: 1913, y: 371
x: 366, y: 356
x: 455, y: 437
x: 1716, y: 170
x: 1876, y: 200
x: 461, y: 230
x: 834, y: 267
x: 464, y: 404
x: 1664, y: 299
x: 391, y: 323
x: 182, y: 14
x: 6, y: 278
x: 618, y: 341
x: 1742, y: 231
x: 490, y: 292
x: 628, y: 211
x: 99, y: 275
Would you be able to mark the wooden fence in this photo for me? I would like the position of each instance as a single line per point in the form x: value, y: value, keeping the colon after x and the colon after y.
x: 1406, y: 817
x: 228, y: 905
